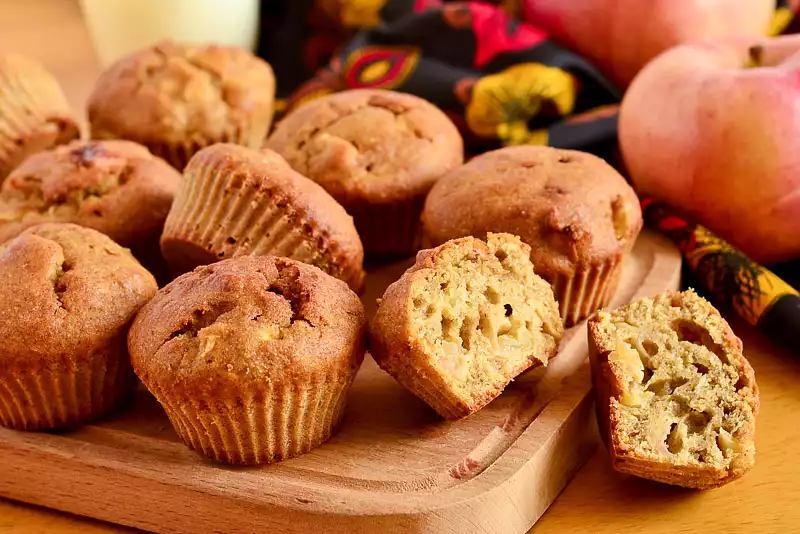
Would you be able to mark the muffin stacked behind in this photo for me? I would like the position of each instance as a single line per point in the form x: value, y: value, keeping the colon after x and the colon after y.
x: 67, y: 297
x: 34, y: 113
x: 176, y: 99
x: 577, y: 214
x: 378, y: 153
x: 235, y: 201
x: 251, y: 357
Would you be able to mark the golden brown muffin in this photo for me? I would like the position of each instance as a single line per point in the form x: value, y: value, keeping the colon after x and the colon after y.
x: 578, y: 215
x: 465, y: 320
x: 378, y: 153
x: 677, y: 401
x: 67, y: 297
x: 115, y: 187
x: 34, y: 113
x: 238, y: 202
x: 176, y: 99
x: 251, y: 357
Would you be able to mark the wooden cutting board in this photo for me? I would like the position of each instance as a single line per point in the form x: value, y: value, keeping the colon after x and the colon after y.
x: 394, y: 466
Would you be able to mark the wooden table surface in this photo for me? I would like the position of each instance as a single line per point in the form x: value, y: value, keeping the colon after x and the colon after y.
x: 597, y: 500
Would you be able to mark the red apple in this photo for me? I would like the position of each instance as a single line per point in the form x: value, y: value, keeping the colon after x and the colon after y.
x: 714, y: 128
x: 621, y: 36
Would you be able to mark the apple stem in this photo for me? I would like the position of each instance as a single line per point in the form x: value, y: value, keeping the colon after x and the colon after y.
x: 755, y: 56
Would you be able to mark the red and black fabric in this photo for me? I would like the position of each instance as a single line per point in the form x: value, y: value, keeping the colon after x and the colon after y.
x: 501, y: 80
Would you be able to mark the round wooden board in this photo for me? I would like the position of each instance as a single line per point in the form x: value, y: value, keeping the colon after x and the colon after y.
x: 394, y: 465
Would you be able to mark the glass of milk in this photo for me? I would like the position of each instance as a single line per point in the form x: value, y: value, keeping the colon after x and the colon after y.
x: 119, y: 27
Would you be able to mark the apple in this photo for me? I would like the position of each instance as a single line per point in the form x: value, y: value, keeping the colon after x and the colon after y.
x: 621, y: 36
x: 713, y: 128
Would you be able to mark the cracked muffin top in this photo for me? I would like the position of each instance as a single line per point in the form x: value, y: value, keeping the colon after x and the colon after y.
x: 572, y: 208
x: 115, y: 187
x: 177, y: 93
x: 369, y: 144
x: 66, y: 290
x: 248, y: 321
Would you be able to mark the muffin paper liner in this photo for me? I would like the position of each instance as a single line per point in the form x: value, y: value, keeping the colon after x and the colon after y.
x: 260, y: 424
x: 62, y: 394
x: 31, y: 121
x: 216, y: 218
x: 587, y: 291
x: 389, y: 230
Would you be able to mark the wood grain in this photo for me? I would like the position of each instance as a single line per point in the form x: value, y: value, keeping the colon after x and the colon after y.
x: 597, y: 500
x: 394, y: 465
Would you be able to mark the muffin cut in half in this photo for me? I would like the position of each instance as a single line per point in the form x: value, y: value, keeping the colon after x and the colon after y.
x: 235, y: 201
x: 251, y: 357
x: 178, y: 98
x: 466, y: 319
x: 67, y: 297
x: 34, y: 113
x: 676, y: 399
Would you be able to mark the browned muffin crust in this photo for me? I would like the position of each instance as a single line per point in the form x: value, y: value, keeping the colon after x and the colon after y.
x: 235, y: 201
x: 377, y: 153
x: 676, y: 399
x: 177, y: 98
x: 115, y: 187
x: 232, y: 344
x: 463, y: 321
x: 34, y: 113
x: 67, y: 297
x: 572, y: 208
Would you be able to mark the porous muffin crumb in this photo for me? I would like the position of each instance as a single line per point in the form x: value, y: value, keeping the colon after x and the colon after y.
x: 178, y: 98
x: 261, y: 349
x: 377, y: 153
x: 34, y: 113
x: 466, y: 319
x: 676, y: 398
x: 67, y: 297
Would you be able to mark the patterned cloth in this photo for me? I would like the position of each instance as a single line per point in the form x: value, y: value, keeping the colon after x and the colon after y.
x: 503, y: 81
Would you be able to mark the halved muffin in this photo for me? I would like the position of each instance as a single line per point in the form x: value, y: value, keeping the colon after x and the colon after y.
x: 676, y: 399
x: 466, y: 319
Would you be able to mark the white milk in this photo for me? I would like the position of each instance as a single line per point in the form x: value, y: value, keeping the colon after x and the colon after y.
x: 119, y: 27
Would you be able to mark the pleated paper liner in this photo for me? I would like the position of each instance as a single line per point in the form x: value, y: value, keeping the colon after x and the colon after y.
x: 260, y: 424
x: 590, y: 289
x: 217, y: 217
x: 389, y: 230
x: 46, y: 395
x: 33, y: 117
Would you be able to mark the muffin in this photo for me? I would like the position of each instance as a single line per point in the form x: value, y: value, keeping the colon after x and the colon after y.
x: 676, y: 399
x: 251, y: 357
x: 378, y: 153
x: 67, y: 297
x: 463, y: 321
x: 34, y: 113
x: 235, y: 201
x: 578, y: 215
x: 177, y: 98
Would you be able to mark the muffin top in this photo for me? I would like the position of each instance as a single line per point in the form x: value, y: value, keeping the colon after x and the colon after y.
x: 34, y: 113
x: 332, y: 242
x: 115, y: 187
x: 65, y: 291
x: 572, y: 208
x: 175, y: 93
x: 369, y: 144
x: 247, y: 321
